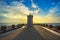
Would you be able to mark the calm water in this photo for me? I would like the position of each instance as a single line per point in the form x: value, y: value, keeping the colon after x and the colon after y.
x: 8, y: 24
x: 54, y: 24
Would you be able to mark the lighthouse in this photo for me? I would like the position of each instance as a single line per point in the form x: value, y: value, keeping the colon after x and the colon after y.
x: 30, y: 20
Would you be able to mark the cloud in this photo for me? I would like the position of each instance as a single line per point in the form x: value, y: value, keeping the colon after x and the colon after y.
x: 31, y: 0
x: 22, y: 0
x: 34, y: 5
x: 36, y: 11
x: 19, y: 9
x: 49, y: 18
x: 36, y: 8
x: 16, y: 9
x: 17, y: 12
x: 55, y: 9
x: 53, y: 14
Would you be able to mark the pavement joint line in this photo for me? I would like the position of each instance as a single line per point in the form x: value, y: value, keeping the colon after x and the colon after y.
x: 56, y: 33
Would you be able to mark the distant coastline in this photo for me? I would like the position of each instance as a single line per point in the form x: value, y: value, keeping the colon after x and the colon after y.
x: 54, y: 24
x: 8, y: 24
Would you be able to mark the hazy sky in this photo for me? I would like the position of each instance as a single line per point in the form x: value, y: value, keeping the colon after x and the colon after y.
x: 16, y: 11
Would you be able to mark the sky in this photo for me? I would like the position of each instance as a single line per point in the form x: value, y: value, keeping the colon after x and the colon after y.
x: 16, y: 11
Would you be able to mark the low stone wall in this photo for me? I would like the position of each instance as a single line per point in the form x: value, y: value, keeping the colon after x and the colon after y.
x: 54, y: 28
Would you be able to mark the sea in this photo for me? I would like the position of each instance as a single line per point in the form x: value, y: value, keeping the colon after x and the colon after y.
x: 9, y: 24
x: 54, y: 24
